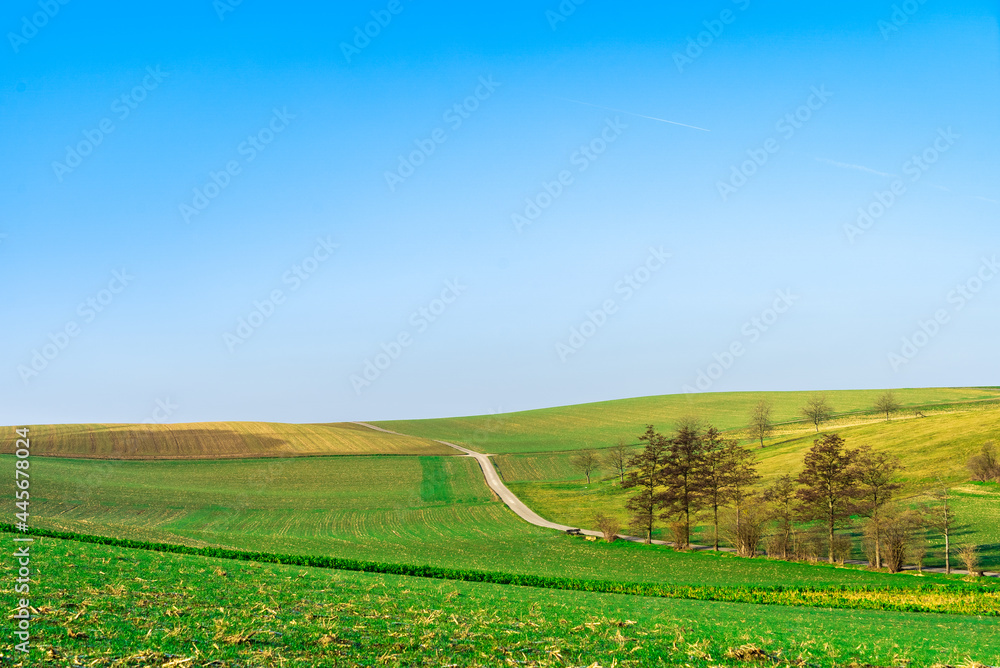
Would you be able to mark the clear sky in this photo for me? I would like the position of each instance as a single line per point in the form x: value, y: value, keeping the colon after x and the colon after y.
x: 257, y: 211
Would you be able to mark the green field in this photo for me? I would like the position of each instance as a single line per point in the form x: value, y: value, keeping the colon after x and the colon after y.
x: 106, y: 606
x: 602, y: 424
x: 436, y: 511
x: 216, y: 440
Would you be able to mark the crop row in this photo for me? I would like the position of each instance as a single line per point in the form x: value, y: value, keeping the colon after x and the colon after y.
x: 956, y: 598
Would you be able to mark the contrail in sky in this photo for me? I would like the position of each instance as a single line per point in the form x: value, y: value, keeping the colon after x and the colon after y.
x: 630, y: 113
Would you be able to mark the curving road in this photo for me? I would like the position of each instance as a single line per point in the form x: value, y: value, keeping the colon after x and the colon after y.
x: 507, y: 496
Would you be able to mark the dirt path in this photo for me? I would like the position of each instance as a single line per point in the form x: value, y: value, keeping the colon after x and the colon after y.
x: 507, y: 496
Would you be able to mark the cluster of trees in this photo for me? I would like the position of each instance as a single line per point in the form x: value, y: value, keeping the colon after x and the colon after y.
x: 677, y: 477
x: 695, y: 472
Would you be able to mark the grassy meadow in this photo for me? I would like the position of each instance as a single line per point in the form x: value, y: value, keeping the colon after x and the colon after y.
x: 105, y: 606
x: 436, y: 511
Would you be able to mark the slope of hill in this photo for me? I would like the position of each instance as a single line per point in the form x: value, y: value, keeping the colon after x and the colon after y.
x: 933, y: 448
x: 217, y: 440
x: 936, y: 446
x: 603, y: 424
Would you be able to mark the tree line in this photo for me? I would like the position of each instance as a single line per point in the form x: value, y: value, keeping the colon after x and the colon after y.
x: 696, y: 473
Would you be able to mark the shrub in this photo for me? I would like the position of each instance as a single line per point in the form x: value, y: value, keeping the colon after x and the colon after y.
x: 969, y: 554
x: 985, y: 466
x: 895, y: 546
x: 609, y: 526
x: 842, y: 548
x: 678, y: 530
x: 746, y: 534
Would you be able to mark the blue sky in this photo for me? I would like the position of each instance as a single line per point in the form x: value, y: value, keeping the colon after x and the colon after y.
x: 289, y: 247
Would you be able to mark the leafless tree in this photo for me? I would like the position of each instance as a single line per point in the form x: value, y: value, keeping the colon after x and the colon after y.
x: 817, y: 410
x: 746, y: 531
x: 887, y: 403
x: 781, y: 498
x: 941, y: 518
x: 895, y: 538
x: 761, y: 424
x: 616, y: 459
x: 586, y: 462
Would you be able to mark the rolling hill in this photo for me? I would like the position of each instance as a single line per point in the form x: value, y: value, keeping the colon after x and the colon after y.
x: 602, y: 424
x: 218, y: 440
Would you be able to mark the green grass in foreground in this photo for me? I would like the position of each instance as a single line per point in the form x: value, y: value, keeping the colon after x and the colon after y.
x: 386, y: 509
x: 602, y: 424
x: 977, y: 597
x: 106, y: 606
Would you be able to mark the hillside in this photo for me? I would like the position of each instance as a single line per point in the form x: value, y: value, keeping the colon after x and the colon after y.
x: 217, y: 440
x: 602, y: 424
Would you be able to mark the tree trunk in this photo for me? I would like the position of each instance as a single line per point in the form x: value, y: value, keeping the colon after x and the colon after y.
x: 878, y: 545
x: 715, y: 508
x: 739, y: 511
x: 687, y: 526
x: 947, y: 552
x: 829, y: 552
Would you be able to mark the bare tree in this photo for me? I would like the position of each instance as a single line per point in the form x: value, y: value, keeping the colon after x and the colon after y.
x: 829, y: 489
x: 746, y: 532
x: 761, y: 425
x: 781, y: 497
x: 985, y: 465
x: 887, y: 403
x: 817, y: 410
x: 616, y: 459
x: 895, y: 532
x: 586, y: 462
x: 941, y: 519
x: 743, y: 477
x: 876, y: 474
x: 647, y: 478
